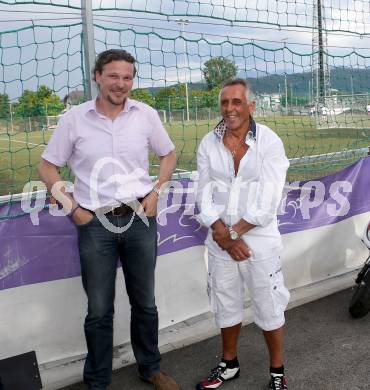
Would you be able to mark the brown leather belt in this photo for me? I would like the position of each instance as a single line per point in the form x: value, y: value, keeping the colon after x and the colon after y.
x: 122, y: 210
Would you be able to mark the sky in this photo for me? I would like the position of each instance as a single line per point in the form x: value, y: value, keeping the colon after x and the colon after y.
x: 51, y: 53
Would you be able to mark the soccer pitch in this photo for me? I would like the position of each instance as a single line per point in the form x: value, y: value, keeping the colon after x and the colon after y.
x: 20, y: 151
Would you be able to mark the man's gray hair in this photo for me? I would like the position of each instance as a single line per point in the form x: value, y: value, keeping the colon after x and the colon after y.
x: 248, y: 90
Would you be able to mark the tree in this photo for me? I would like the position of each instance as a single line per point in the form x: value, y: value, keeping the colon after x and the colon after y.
x: 43, y: 102
x: 4, y: 105
x: 143, y: 95
x: 28, y: 105
x: 43, y: 92
x: 204, y: 98
x: 51, y: 104
x: 170, y: 98
x: 217, y: 70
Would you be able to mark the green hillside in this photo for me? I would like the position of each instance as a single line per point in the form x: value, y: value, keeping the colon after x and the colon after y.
x: 342, y: 79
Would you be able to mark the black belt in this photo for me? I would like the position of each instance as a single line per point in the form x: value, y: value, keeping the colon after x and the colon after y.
x: 123, y: 209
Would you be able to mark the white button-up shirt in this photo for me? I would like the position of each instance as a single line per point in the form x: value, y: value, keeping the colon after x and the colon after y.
x: 110, y: 159
x: 253, y: 194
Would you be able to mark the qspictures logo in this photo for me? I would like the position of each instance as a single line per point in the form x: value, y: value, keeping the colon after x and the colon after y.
x: 298, y: 199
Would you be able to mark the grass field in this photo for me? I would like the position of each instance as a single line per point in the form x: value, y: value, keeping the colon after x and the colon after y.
x: 20, y: 151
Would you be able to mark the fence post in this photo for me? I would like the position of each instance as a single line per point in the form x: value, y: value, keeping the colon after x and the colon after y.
x: 89, y: 47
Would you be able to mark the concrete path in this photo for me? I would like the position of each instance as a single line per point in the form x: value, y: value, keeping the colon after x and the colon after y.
x: 325, y: 350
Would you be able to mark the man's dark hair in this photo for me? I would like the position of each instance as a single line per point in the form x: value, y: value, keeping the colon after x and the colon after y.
x: 243, y: 82
x: 108, y: 56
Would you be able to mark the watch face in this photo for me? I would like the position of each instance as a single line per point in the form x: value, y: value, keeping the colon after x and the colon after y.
x: 233, y: 235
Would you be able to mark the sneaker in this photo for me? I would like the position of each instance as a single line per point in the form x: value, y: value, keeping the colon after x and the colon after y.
x: 217, y: 376
x: 278, y: 382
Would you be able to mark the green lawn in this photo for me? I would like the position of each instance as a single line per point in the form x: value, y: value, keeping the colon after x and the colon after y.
x: 20, y: 151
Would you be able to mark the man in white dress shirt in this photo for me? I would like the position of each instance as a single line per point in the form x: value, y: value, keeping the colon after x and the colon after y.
x: 106, y: 143
x: 242, y: 168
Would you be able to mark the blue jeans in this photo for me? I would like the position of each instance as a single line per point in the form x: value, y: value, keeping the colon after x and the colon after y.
x: 99, y: 251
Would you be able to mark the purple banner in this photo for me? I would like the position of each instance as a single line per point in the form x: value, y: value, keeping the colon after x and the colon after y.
x: 326, y: 200
x: 48, y: 251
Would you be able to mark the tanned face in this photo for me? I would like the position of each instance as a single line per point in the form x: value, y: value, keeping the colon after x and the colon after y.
x: 235, y: 107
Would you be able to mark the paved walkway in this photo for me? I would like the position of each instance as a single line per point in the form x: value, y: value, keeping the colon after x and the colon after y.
x: 325, y: 350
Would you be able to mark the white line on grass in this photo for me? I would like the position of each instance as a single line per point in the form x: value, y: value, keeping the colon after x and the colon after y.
x: 21, y: 142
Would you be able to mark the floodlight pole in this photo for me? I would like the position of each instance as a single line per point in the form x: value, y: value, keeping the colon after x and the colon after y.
x: 183, y: 23
x: 11, y: 117
x: 89, y: 47
x: 286, y: 95
x: 285, y: 81
x: 321, y: 89
x: 47, y: 115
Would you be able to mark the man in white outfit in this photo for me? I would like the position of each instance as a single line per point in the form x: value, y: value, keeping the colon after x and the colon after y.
x: 242, y: 168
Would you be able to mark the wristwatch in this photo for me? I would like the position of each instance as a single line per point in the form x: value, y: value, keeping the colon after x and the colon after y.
x: 157, y: 190
x: 233, y: 234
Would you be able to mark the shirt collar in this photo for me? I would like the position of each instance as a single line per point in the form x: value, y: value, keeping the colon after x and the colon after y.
x: 251, y: 137
x: 129, y: 105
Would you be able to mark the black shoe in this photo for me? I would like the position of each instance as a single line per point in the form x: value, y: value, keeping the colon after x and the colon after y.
x: 217, y: 376
x: 278, y: 382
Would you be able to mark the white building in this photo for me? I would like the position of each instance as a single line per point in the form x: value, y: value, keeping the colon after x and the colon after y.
x: 268, y: 101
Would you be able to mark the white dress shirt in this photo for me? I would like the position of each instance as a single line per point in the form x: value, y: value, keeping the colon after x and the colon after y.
x: 110, y: 159
x: 253, y: 194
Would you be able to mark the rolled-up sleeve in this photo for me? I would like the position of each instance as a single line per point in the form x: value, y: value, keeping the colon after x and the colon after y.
x: 60, y: 146
x: 159, y: 141
x: 264, y: 195
x: 208, y: 211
